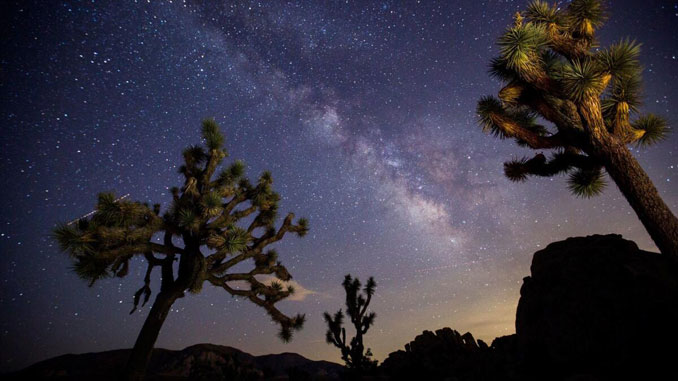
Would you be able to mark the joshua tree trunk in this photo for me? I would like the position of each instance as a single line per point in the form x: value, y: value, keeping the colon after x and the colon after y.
x: 631, y: 179
x: 640, y: 192
x: 141, y: 353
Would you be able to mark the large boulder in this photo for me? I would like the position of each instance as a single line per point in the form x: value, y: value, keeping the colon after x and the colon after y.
x: 598, y: 307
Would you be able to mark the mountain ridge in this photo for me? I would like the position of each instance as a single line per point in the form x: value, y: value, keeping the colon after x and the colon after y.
x: 198, y: 361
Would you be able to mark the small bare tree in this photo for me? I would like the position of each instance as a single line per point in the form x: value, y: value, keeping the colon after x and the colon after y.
x: 353, y: 353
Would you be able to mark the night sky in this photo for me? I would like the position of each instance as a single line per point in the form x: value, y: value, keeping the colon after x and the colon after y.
x: 363, y: 111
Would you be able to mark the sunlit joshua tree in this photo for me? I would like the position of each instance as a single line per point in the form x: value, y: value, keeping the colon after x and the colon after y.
x: 353, y: 353
x: 590, y: 97
x: 214, y: 223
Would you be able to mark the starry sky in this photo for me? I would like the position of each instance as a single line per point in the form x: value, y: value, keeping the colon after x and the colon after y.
x: 363, y: 111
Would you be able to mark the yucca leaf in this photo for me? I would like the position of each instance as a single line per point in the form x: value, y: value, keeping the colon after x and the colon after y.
x: 66, y: 236
x: 581, y: 79
x: 621, y: 59
x: 656, y: 129
x: 108, y: 210
x: 626, y: 90
x: 244, y: 184
x: 499, y: 69
x: 210, y: 132
x: 266, y: 178
x: 91, y: 268
x: 235, y: 240
x: 586, y: 183
x: 194, y: 155
x: 541, y: 12
x: 72, y: 240
x: 231, y: 174
x: 583, y: 16
x: 487, y: 107
x: 515, y: 170
x: 520, y: 44
x: 298, y: 321
x: 186, y: 218
x: 370, y: 286
x: 211, y: 203
x: 285, y: 334
x: 237, y: 169
x: 552, y: 62
x: 269, y: 259
x: 302, y: 223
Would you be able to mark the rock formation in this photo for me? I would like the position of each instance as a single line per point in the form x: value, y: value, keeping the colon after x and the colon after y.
x: 594, y: 308
x: 446, y: 353
x: 601, y: 307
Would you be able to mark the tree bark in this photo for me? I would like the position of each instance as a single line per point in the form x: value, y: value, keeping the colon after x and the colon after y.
x: 631, y: 180
x: 141, y: 353
x: 640, y: 192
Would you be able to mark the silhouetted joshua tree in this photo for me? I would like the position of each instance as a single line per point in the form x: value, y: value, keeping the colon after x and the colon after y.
x: 199, y: 231
x: 353, y: 354
x: 553, y: 69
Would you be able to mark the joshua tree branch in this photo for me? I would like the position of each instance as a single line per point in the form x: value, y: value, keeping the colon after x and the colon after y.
x: 518, y: 170
x: 215, y: 157
x: 564, y: 44
x: 285, y: 321
x: 513, y: 128
x: 239, y: 214
x: 164, y: 249
x: 268, y: 239
x: 146, y: 288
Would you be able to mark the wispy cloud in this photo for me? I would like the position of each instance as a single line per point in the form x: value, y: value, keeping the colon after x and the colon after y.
x: 300, y: 292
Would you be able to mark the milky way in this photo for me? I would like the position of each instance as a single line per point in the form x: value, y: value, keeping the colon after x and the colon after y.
x: 364, y: 113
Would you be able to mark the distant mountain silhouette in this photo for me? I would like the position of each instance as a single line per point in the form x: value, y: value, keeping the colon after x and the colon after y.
x: 199, y: 362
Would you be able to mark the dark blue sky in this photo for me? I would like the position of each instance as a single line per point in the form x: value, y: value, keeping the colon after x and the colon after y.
x: 363, y: 111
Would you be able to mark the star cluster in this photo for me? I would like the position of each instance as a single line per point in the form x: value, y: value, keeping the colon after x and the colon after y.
x: 363, y: 111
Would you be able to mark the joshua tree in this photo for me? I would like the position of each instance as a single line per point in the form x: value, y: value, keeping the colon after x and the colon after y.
x: 356, y: 308
x: 553, y: 70
x: 204, y: 231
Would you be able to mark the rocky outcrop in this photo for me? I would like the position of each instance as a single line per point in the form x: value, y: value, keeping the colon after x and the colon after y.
x: 446, y: 354
x: 599, y: 307
x: 594, y: 308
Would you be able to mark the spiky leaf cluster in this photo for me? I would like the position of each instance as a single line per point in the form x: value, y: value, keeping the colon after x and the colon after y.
x: 581, y: 79
x: 234, y: 219
x: 521, y: 43
x: 584, y: 16
x: 587, y: 183
x: 654, y: 129
x: 103, y: 244
x: 554, y: 71
x: 542, y: 13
